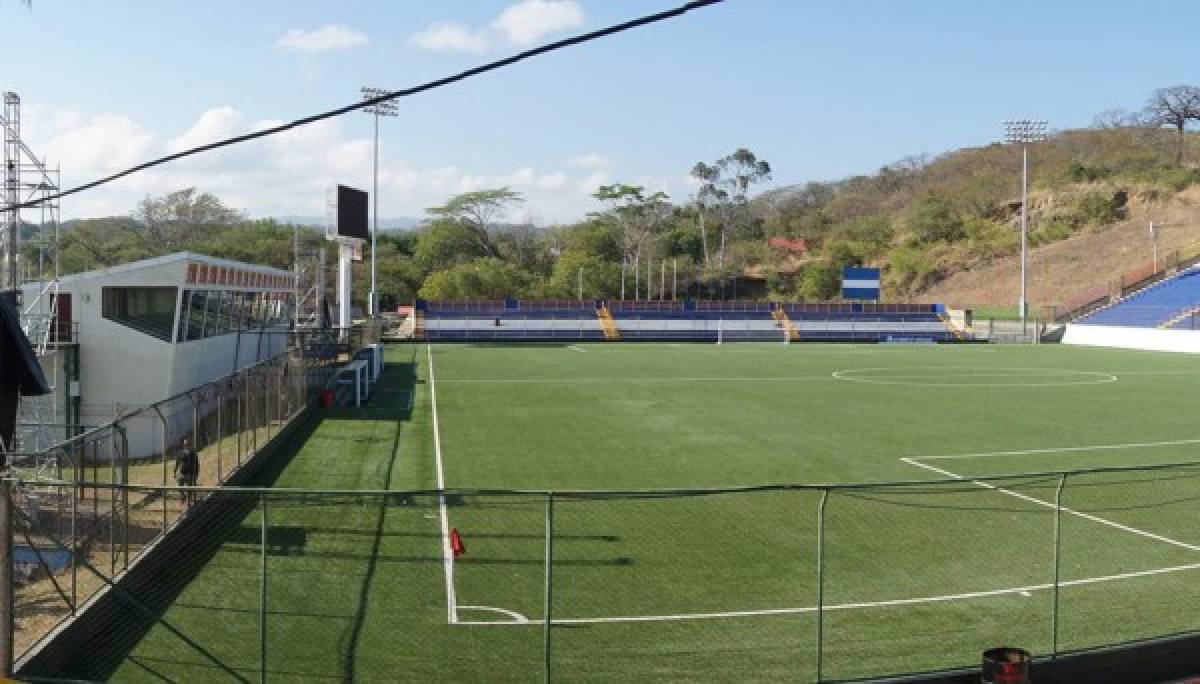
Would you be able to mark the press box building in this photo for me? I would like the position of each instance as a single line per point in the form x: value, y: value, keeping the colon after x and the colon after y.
x: 151, y: 329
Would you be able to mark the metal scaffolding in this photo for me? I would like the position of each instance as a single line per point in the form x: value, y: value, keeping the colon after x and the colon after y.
x: 47, y: 419
x: 27, y: 178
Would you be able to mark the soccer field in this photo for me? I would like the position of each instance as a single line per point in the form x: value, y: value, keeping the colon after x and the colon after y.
x: 922, y: 565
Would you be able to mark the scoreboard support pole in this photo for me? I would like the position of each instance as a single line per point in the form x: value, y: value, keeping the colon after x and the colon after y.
x: 345, y: 258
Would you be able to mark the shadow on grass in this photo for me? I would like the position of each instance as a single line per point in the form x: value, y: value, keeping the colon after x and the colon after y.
x: 220, y: 523
x: 223, y: 534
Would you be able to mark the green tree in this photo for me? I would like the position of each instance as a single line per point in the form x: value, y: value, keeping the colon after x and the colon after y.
x: 478, y: 210
x: 932, y: 219
x: 447, y: 242
x: 819, y: 282
x: 600, y: 278
x: 168, y: 222
x: 1175, y: 106
x: 638, y: 216
x: 597, y: 236
x: 486, y: 278
x: 724, y: 189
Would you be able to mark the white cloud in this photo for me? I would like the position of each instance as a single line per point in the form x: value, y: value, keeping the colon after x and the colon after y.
x: 590, y: 161
x: 592, y: 181
x: 522, y: 24
x: 213, y: 125
x: 528, y: 21
x: 450, y: 37
x: 286, y: 174
x: 328, y: 37
x: 552, y: 181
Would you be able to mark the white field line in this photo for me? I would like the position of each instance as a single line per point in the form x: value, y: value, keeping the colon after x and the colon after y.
x: 1057, y: 450
x: 1049, y: 504
x: 447, y: 554
x: 517, y: 617
x: 572, y: 381
x: 986, y: 374
x: 573, y: 347
x: 858, y: 605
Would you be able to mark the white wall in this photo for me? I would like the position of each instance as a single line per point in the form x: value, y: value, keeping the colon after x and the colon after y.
x: 200, y: 361
x: 119, y: 365
x: 1150, y: 339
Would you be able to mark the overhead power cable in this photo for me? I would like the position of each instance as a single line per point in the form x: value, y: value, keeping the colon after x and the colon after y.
x: 361, y: 104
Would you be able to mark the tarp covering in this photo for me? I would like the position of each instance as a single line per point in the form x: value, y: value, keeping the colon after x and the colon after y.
x: 20, y: 372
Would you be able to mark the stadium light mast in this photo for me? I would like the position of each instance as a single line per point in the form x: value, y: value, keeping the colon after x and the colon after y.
x: 1024, y: 131
x: 386, y: 108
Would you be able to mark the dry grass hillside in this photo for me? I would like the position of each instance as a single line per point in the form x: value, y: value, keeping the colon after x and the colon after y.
x: 1062, y: 270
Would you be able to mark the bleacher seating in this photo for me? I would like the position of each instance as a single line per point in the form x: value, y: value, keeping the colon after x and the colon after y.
x: 1161, y: 304
x: 566, y: 320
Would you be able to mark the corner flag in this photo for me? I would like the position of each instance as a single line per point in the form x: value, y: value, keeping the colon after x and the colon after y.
x: 456, y: 543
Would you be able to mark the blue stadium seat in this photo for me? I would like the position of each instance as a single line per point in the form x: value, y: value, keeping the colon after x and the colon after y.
x: 1153, y: 306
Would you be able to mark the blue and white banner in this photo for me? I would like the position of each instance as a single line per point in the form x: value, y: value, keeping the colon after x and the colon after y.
x: 860, y: 283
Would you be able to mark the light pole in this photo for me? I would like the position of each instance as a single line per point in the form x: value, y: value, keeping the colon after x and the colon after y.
x: 1154, y: 244
x: 385, y: 108
x: 1024, y: 131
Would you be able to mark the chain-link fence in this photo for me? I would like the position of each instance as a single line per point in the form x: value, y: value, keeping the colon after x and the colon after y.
x: 807, y: 583
x: 1011, y: 331
x: 73, y: 497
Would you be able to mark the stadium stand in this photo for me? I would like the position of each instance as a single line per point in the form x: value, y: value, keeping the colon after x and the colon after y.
x: 1168, y: 303
x: 702, y: 321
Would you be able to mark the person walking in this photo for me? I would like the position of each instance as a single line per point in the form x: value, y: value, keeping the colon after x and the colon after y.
x: 187, y: 469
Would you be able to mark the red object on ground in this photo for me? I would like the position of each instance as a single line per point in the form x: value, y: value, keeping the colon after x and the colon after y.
x: 327, y: 398
x: 787, y: 244
x: 456, y: 543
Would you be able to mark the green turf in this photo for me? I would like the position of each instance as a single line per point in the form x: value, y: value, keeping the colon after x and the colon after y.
x: 357, y: 587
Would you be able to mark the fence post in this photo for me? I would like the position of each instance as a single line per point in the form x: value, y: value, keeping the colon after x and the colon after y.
x: 821, y: 582
x: 262, y: 596
x: 267, y: 403
x: 249, y: 408
x: 112, y: 506
x: 196, y: 444
x: 279, y: 403
x: 1062, y: 481
x: 241, y: 427
x: 220, y: 435
x: 123, y: 449
x: 7, y: 604
x: 163, y: 419
x: 549, y: 587
x: 74, y: 546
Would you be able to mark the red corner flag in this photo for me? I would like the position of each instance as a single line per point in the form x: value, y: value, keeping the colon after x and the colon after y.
x: 456, y: 543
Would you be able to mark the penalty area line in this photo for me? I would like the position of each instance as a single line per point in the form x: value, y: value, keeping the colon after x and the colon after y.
x: 447, y: 553
x: 1027, y: 589
x: 1058, y: 450
x: 1052, y: 505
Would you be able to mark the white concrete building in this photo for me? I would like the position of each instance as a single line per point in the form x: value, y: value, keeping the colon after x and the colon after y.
x: 151, y: 329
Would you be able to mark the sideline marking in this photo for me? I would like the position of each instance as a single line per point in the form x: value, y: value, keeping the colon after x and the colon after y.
x: 852, y: 606
x: 447, y: 554
x: 579, y: 349
x: 572, y: 381
x: 1049, y: 504
x: 1056, y: 450
x: 1066, y: 377
x: 517, y: 618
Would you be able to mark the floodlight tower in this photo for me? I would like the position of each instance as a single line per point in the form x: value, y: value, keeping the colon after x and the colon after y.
x: 11, y: 174
x: 1024, y: 131
x: 385, y: 108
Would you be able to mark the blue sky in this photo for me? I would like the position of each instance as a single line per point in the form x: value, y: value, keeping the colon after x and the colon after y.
x: 821, y: 90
